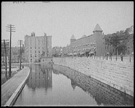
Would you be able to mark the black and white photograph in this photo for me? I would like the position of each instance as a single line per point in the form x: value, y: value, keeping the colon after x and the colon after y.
x: 67, y: 53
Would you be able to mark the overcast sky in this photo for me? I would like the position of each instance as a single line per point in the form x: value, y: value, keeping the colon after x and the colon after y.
x: 61, y: 20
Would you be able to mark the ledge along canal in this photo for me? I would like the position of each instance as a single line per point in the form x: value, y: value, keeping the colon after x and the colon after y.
x: 57, y: 85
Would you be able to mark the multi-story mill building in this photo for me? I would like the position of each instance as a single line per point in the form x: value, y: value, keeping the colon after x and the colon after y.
x: 37, y: 47
x: 91, y: 43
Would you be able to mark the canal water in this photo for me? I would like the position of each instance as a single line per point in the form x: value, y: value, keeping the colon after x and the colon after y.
x: 48, y: 86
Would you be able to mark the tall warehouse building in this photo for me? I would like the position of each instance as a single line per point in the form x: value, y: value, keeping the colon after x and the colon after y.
x: 37, y: 47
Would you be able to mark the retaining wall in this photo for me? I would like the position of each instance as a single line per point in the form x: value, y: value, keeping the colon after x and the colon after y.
x: 117, y: 74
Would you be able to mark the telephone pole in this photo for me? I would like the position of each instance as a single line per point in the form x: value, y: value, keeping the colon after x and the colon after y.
x: 20, y: 53
x: 10, y: 29
x: 5, y: 50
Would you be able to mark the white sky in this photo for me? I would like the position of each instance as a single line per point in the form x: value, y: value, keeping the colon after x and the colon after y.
x: 61, y: 20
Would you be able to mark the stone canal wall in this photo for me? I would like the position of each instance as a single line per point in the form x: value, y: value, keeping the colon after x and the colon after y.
x: 117, y: 74
x: 102, y: 93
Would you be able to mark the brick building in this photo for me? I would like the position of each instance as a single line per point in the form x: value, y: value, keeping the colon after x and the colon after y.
x: 93, y: 44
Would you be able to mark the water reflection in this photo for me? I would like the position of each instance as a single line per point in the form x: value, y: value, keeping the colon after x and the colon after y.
x: 56, y: 72
x: 73, y: 84
x: 40, y: 77
x: 69, y: 88
x: 38, y: 89
x: 102, y: 93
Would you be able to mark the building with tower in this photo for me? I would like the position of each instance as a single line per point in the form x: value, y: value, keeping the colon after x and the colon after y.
x: 92, y: 44
x: 72, y: 39
x: 99, y: 40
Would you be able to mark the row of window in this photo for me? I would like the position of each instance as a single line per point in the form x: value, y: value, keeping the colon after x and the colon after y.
x: 35, y: 55
x: 36, y: 43
x: 31, y: 60
x: 35, y: 47
x: 82, y: 46
x: 35, y: 51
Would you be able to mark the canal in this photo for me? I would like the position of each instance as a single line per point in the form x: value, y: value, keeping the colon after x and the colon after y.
x: 47, y: 85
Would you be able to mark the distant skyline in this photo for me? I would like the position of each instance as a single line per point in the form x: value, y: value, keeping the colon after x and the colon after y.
x: 61, y: 20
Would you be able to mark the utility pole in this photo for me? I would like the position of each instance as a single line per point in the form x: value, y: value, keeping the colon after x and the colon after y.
x: 46, y: 46
x: 20, y: 53
x: 116, y: 50
x: 116, y: 53
x: 10, y: 29
x: 5, y: 58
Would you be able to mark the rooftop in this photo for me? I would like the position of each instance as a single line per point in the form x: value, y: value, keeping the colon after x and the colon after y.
x: 72, y: 37
x: 97, y: 28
